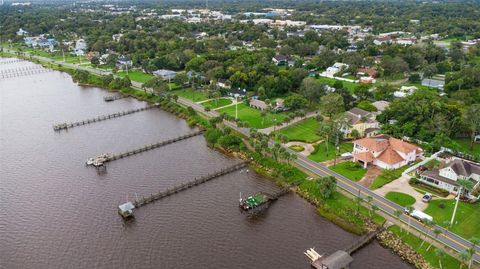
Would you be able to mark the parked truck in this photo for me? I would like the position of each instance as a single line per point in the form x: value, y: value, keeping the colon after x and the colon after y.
x: 419, y: 215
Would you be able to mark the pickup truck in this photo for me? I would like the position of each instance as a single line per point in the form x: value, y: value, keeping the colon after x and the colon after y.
x: 419, y: 215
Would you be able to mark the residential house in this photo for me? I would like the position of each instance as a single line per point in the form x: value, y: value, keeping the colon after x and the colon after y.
x: 404, y: 91
x: 258, y: 104
x: 362, y: 121
x: 447, y: 177
x: 165, y: 74
x: 237, y: 93
x: 385, y: 152
x: 116, y: 37
x: 367, y: 80
x: 21, y: 32
x: 405, y: 41
x: 334, y: 69
x: 283, y: 60
x: 382, y: 40
x: 381, y: 105
x: 124, y: 61
x: 80, y: 47
x: 367, y: 71
x: 433, y: 83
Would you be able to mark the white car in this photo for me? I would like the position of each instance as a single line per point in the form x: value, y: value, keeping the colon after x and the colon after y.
x: 427, y: 197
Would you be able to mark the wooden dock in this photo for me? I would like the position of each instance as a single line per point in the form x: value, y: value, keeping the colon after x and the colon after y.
x: 64, y: 126
x: 111, y: 98
x: 11, y: 61
x: 184, y: 186
x: 101, y: 159
x: 341, y: 258
x: 23, y: 71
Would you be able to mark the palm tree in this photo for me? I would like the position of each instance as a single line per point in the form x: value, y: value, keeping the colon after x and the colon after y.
x: 464, y: 257
x: 464, y: 185
x: 397, y: 214
x: 440, y: 255
x: 437, y: 232
x: 409, y: 209
x: 475, y: 241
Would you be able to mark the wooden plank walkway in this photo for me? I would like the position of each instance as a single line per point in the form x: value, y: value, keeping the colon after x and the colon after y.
x: 111, y: 98
x: 23, y: 71
x: 151, y: 146
x: 64, y: 126
x: 362, y: 241
x: 184, y: 186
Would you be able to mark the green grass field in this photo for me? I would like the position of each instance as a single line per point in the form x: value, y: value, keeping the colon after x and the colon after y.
x: 351, y: 170
x: 253, y: 116
x: 464, y: 146
x: 400, y: 198
x: 347, y: 85
x: 467, y: 220
x: 304, y: 131
x: 430, y: 256
x: 136, y: 75
x: 321, y: 154
x: 217, y: 103
x: 194, y: 95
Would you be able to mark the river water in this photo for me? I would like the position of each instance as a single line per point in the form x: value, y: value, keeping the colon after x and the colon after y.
x: 57, y: 213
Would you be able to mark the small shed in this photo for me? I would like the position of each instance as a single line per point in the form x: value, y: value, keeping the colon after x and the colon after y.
x: 126, y: 210
x: 338, y: 260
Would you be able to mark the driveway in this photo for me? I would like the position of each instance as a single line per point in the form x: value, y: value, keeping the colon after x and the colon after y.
x: 308, y: 148
x: 401, y: 185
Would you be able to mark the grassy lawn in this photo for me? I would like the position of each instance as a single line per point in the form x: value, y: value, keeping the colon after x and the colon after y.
x: 430, y: 256
x: 351, y: 170
x: 297, y: 148
x: 305, y: 131
x: 321, y: 154
x: 339, y: 209
x: 400, y: 198
x: 253, y: 116
x: 194, y: 95
x: 464, y: 146
x: 350, y: 86
x: 136, y: 75
x: 467, y: 220
x: 217, y: 103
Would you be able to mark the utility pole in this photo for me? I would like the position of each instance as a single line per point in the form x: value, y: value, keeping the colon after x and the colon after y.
x: 336, y: 151
x: 236, y: 106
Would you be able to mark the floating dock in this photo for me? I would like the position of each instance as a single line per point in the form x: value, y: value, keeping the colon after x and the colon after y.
x: 64, y: 126
x: 111, y: 98
x: 176, y: 189
x: 102, y: 159
x: 260, y: 201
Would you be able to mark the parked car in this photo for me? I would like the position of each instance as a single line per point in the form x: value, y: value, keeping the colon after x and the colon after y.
x: 427, y: 197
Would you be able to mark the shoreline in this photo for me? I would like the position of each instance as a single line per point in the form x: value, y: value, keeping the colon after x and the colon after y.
x: 200, y: 120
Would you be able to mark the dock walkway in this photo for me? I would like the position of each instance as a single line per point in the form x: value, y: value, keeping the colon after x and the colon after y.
x: 101, y: 159
x: 23, y: 71
x: 184, y: 186
x: 64, y: 126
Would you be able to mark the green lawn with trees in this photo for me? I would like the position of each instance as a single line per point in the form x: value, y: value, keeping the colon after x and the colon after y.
x: 430, y: 254
x: 350, y: 170
x: 189, y: 93
x: 254, y: 117
x: 136, y: 75
x: 400, y: 198
x: 304, y: 131
x: 467, y: 220
x: 323, y: 152
x: 217, y: 103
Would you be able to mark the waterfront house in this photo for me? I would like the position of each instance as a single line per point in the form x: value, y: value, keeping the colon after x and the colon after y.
x: 385, y: 152
x: 447, y: 177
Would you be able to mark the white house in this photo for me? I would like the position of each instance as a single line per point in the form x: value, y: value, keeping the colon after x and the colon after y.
x: 385, y: 152
x: 404, y: 91
x: 80, y: 47
x: 334, y: 69
x: 165, y: 74
x: 447, y: 178
x: 21, y: 32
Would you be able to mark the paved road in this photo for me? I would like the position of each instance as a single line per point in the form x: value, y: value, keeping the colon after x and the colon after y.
x: 447, y: 238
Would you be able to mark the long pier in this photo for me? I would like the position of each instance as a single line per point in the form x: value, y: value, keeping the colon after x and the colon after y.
x: 62, y: 126
x: 100, y: 160
x: 23, y: 71
x: 126, y: 209
x: 341, y: 257
x: 11, y: 61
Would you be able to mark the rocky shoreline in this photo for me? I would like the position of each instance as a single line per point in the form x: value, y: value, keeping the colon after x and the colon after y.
x: 389, y: 240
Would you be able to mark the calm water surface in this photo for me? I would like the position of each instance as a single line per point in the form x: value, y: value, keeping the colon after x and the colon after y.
x: 57, y: 213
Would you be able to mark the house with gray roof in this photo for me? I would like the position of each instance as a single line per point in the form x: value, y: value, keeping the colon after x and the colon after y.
x: 361, y: 120
x: 447, y: 177
x: 165, y: 74
x: 433, y: 83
